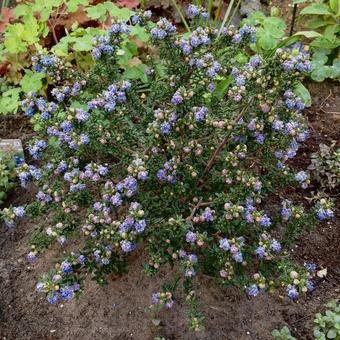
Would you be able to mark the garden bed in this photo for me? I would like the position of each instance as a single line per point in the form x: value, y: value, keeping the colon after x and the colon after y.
x: 118, y: 310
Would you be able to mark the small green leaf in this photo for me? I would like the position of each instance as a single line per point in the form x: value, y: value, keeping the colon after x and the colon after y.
x: 9, y: 102
x: 97, y: 12
x: 84, y: 43
x: 222, y: 87
x: 301, y: 91
x: 72, y: 5
x: 319, y: 57
x: 156, y: 322
x: 321, y: 73
x: 308, y: 34
x: 335, y: 72
x: 318, y: 22
x: 21, y: 10
x: 266, y: 41
x: 335, y: 6
x: 32, y: 82
x: 296, y: 2
x: 331, y: 334
x: 316, y: 9
x: 120, y: 13
x: 136, y: 72
x: 140, y: 33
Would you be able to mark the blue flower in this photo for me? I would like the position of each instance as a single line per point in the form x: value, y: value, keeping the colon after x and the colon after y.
x: 260, y: 252
x: 177, y: 99
x: 253, y: 290
x: 292, y: 292
x: 265, y: 221
x: 224, y: 244
x: 19, y: 211
x: 311, y: 267
x: 190, y: 237
x: 66, y: 293
x: 127, y: 246
x: 52, y: 298
x: 165, y: 128
x: 66, y: 267
x: 311, y: 285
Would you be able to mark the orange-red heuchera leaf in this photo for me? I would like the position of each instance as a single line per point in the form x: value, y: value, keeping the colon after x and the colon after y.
x: 128, y: 3
x: 6, y: 16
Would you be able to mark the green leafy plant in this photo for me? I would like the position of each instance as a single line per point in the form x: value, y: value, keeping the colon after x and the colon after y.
x: 7, y: 175
x: 326, y: 166
x: 269, y: 30
x: 28, y: 34
x: 9, y: 101
x: 327, y: 325
x: 282, y: 334
x: 324, y: 17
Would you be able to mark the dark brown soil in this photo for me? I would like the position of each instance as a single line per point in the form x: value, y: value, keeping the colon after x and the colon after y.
x: 118, y: 311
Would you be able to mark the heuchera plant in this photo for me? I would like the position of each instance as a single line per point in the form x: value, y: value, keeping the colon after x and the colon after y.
x: 183, y: 167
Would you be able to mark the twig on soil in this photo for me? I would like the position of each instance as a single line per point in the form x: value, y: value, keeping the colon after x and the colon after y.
x: 304, y: 317
x: 331, y: 112
x: 324, y: 101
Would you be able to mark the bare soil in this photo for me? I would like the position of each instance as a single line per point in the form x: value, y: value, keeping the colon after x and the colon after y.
x: 118, y: 310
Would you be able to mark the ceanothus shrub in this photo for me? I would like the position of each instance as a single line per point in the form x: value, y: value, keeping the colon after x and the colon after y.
x: 182, y: 166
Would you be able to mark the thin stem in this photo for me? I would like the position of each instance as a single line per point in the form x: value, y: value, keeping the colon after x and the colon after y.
x: 225, y: 140
x: 210, y: 5
x: 181, y: 15
x: 225, y: 17
x: 292, y: 23
x: 218, y: 11
x: 193, y: 211
x: 234, y: 12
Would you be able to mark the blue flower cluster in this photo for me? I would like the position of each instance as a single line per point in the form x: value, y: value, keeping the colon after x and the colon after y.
x: 141, y: 17
x: 324, y: 209
x: 53, y: 284
x: 115, y: 93
x: 189, y: 263
x: 244, y: 35
x: 9, y: 215
x: 194, y: 11
x: 292, y: 101
x: 163, y: 123
x: 199, y: 37
x: 295, y: 58
x: 266, y: 246
x: 206, y: 216
x: 106, y: 45
x: 168, y: 172
x: 33, y: 104
x: 27, y: 172
x: 44, y: 63
x: 207, y: 64
x: 36, y: 148
x: 303, y: 178
x: 164, y: 28
x: 200, y: 113
x: 67, y: 136
x: 65, y: 92
x: 160, y: 300
x: 233, y: 247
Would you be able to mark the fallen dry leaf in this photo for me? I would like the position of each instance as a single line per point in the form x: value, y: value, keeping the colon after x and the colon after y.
x: 322, y: 273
